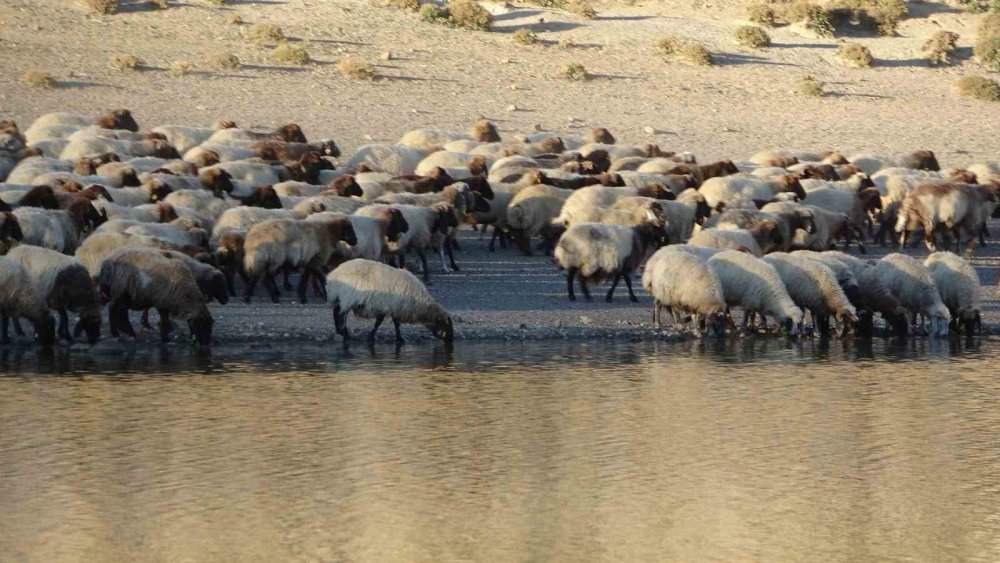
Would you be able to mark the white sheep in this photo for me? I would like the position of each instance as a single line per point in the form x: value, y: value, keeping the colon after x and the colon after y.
x: 724, y: 189
x: 986, y: 171
x: 19, y: 298
x: 425, y: 226
x: 920, y: 160
x: 755, y: 286
x: 958, y: 209
x: 958, y: 285
x: 729, y: 239
x: 374, y: 233
x: 911, y: 282
x: 685, y: 284
x: 202, y: 201
x: 184, y: 138
x: 391, y: 159
x: 370, y: 289
x: 873, y: 296
x: 30, y: 168
x: 531, y: 213
x: 813, y: 287
x: 339, y: 204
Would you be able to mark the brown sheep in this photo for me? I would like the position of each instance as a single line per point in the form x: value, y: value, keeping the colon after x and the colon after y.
x: 118, y: 119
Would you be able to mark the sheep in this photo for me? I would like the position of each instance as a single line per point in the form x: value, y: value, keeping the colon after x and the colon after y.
x: 827, y: 225
x: 585, y: 205
x: 731, y: 239
x: 756, y: 287
x: 253, y: 173
x: 872, y: 294
x: 374, y: 233
x: 139, y: 278
x: 958, y: 285
x: 684, y: 283
x: 120, y: 119
x: 88, y: 146
x: 433, y: 140
x: 918, y: 160
x: 147, y: 213
x: 391, y: 159
x: 771, y: 231
x: 242, y: 219
x: 65, y: 284
x: 49, y: 148
x: 457, y: 165
x: 595, y: 252
x: 911, y: 282
x: 855, y: 183
x: 497, y: 215
x: 10, y: 231
x: 319, y: 203
x: 175, y: 235
x: 813, y: 287
x: 531, y: 212
x: 30, y: 168
x: 286, y: 243
x: 202, y: 201
x: 856, y: 205
x: 370, y: 289
x: 775, y: 157
x: 59, y: 230
x: 986, y: 171
x: 728, y: 188
x: 958, y: 208
x: 291, y: 133
x: 20, y: 298
x: 184, y: 138
x: 99, y: 245
x: 677, y: 183
x: 425, y: 229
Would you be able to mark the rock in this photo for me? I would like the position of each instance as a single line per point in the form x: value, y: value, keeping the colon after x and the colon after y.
x: 649, y: 130
x: 512, y: 107
x: 386, y: 56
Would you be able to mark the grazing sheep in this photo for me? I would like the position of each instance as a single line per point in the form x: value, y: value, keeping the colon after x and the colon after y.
x: 958, y: 284
x: 65, y: 284
x: 813, y: 287
x: 391, y: 159
x: 277, y: 244
x: 685, y: 284
x: 120, y: 119
x: 531, y: 213
x: 426, y: 230
x: 730, y: 239
x: 375, y: 232
x: 872, y: 295
x: 729, y: 188
x: 202, y: 201
x: 911, y: 282
x: 955, y: 208
x: 291, y: 133
x: 20, y: 298
x: 140, y: 278
x: 59, y: 230
x: 595, y: 252
x: 755, y: 286
x: 373, y: 290
x: 918, y: 160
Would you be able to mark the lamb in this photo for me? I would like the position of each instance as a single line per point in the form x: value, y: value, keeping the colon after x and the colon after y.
x: 959, y: 208
x: 425, y: 227
x: 731, y: 239
x: 531, y: 212
x: 596, y: 252
x: 756, y: 287
x: 728, y: 188
x: 431, y: 140
x: 19, y: 298
x: 285, y: 243
x: 65, y: 285
x: 813, y: 287
x: 684, y: 283
x: 912, y: 283
x: 391, y: 159
x: 142, y: 278
x: 958, y: 285
x: 373, y: 290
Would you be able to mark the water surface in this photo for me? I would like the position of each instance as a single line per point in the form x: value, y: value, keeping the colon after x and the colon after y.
x: 749, y: 450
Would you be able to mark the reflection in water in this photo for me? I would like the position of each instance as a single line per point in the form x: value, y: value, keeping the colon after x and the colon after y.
x: 744, y: 450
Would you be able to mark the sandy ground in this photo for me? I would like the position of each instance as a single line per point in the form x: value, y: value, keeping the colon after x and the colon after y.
x: 446, y: 78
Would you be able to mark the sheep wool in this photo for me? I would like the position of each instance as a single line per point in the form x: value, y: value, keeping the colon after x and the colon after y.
x: 20, y: 298
x: 958, y: 284
x: 756, y: 287
x: 813, y: 286
x: 911, y: 282
x: 684, y: 283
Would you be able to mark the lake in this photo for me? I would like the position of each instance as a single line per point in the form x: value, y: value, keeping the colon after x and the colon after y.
x: 754, y: 449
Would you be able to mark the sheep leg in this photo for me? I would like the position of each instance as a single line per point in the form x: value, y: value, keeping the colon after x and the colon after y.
x: 165, y: 325
x: 451, y: 258
x: 304, y: 284
x: 744, y: 325
x: 340, y: 321
x: 248, y: 290
x: 611, y: 292
x: 286, y: 284
x: 272, y: 287
x: 492, y: 247
x: 144, y: 322
x: 970, y: 246
x: 230, y: 281
x: 656, y: 312
x: 453, y: 245
x: 570, y: 276
x: 4, y: 328
x: 402, y: 260
x: 822, y: 324
x: 628, y: 284
x: 17, y: 326
x: 423, y: 263
x: 318, y: 285
x: 378, y: 322
x: 444, y: 265
x: 983, y: 233
x: 399, y: 335
x: 124, y: 324
x: 64, y: 326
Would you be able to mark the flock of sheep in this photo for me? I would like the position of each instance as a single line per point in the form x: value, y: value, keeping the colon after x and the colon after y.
x: 95, y: 212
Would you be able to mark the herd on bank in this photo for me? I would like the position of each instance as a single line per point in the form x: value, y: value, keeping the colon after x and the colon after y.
x: 98, y: 218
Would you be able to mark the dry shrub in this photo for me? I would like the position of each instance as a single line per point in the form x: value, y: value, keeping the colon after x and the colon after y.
x: 224, y: 61
x: 761, y: 13
x: 939, y: 48
x: 430, y: 13
x: 180, y: 68
x: 126, y: 62
x: 266, y: 33
x: 235, y: 19
x: 525, y: 37
x: 469, y: 14
x: 694, y: 54
x: 987, y: 50
x: 574, y: 71
x: 406, y: 5
x: 989, y: 25
x: 878, y: 15
x: 668, y: 45
x: 752, y: 36
x: 581, y: 8
x: 355, y: 70
x: 979, y: 88
x: 100, y: 7
x: 38, y: 79
x: 809, y: 86
x: 290, y: 54
x: 854, y: 55
x: 803, y: 11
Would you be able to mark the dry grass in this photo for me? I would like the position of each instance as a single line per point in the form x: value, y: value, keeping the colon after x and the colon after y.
x: 987, y: 50
x: 405, y: 5
x: 761, y: 13
x: 217, y: 3
x: 266, y: 33
x: 125, y: 62
x: 694, y: 54
x: 582, y: 8
x: 100, y: 7
x: 565, y: 43
x: 235, y: 19
x: 809, y: 86
x: 751, y: 36
x: 355, y: 70
x: 224, y: 61
x: 525, y: 37
x: 668, y: 45
x: 290, y: 54
x: 939, y: 48
x: 38, y: 79
x: 882, y: 16
x: 854, y: 55
x: 430, y: 13
x: 979, y: 88
x: 469, y: 14
x: 180, y: 68
x: 989, y: 25
x: 574, y: 71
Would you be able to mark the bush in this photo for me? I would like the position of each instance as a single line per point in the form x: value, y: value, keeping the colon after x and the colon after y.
x: 224, y: 61
x: 407, y: 5
x: 180, y: 68
x: 469, y: 14
x: 752, y: 36
x: 290, y: 54
x: 38, y: 79
x: 809, y: 86
x: 100, y: 7
x: 878, y: 15
x: 266, y: 33
x: 356, y: 70
x: 979, y: 88
x: 987, y: 50
x: 574, y: 71
x: 989, y: 25
x: 938, y: 49
x: 761, y: 13
x: 525, y: 37
x: 581, y: 8
x: 125, y: 62
x: 668, y: 45
x: 694, y: 54
x: 235, y: 19
x: 854, y: 55
x: 430, y: 13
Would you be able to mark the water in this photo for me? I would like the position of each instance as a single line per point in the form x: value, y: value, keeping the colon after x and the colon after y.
x: 752, y: 450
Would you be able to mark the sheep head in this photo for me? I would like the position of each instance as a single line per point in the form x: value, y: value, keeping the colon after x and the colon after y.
x: 397, y: 224
x: 216, y: 180
x: 346, y: 186
x: 95, y: 191
x: 201, y: 328
x: 291, y: 133
x: 40, y: 196
x: 485, y: 131
x: 10, y: 228
x: 602, y: 135
x: 480, y: 185
x: 118, y: 119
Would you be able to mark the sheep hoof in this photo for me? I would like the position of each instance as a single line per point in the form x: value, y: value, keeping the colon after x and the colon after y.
x: 632, y: 298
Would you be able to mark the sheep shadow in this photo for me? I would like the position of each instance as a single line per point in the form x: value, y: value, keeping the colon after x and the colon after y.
x: 135, y: 6
x: 595, y: 76
x: 622, y: 18
x: 538, y: 27
x: 516, y: 14
x: 734, y: 59
x: 804, y: 45
x: 331, y: 42
x: 80, y: 85
x: 275, y: 68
